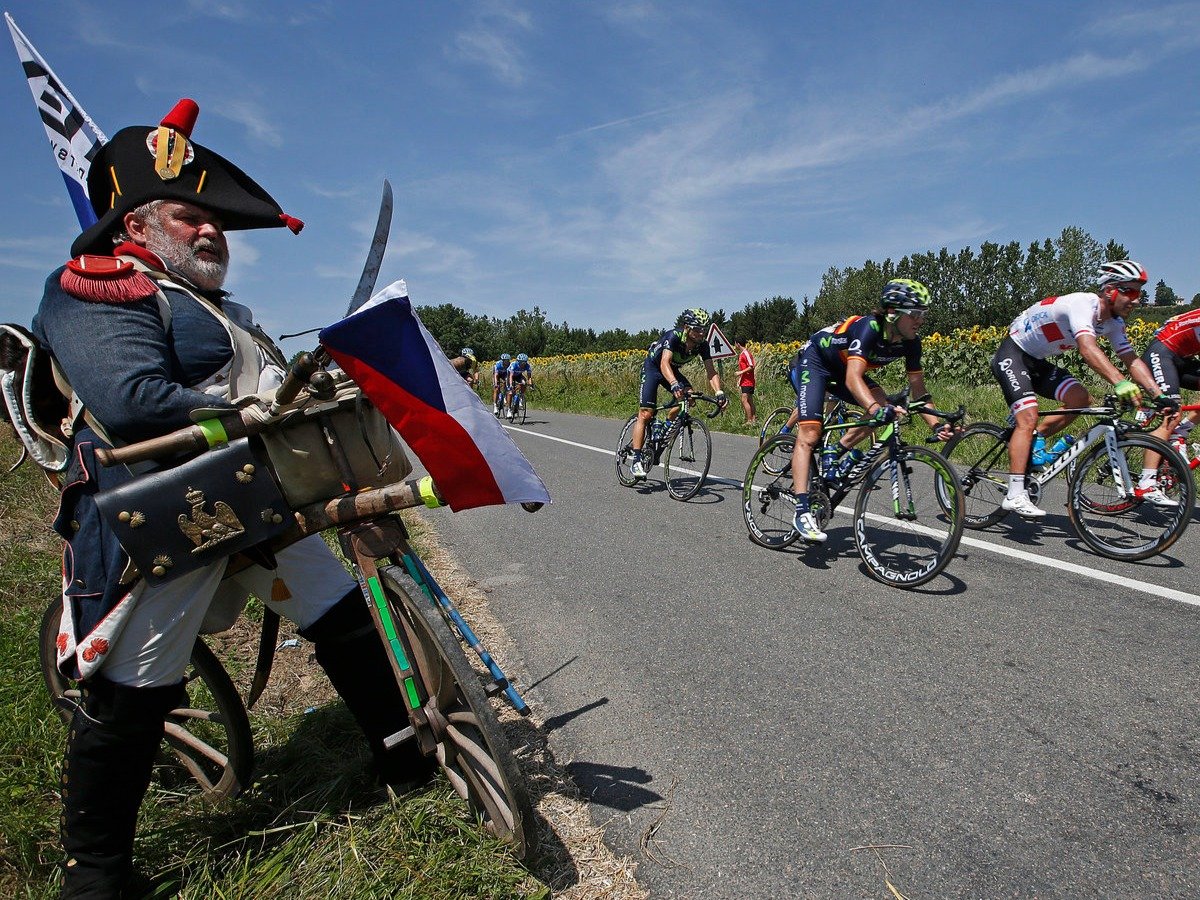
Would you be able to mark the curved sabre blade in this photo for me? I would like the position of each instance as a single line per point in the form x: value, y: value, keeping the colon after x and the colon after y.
x: 366, y: 284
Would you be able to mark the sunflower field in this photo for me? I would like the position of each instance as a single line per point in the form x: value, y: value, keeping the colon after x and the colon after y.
x: 957, y: 364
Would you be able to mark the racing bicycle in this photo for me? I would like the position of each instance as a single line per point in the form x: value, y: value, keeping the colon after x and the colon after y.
x: 1102, y: 470
x: 517, y: 408
x: 908, y: 512
x: 774, y: 422
x: 678, y: 443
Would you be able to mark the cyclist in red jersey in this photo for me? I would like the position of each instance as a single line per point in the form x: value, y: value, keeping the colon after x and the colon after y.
x: 1173, y: 357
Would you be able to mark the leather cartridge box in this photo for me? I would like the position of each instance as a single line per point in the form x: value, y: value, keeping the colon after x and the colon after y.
x: 178, y: 520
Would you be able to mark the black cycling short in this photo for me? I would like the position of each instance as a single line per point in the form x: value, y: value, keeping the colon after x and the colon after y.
x: 1171, y: 371
x: 811, y: 380
x: 652, y: 380
x: 1023, y: 377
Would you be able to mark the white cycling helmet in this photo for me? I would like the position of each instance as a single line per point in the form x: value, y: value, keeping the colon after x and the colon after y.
x: 1120, y: 271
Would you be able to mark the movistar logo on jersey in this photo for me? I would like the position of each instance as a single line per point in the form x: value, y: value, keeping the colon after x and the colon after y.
x: 826, y: 341
x: 874, y: 324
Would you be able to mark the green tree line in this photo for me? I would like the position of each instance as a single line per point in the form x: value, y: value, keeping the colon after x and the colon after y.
x: 988, y: 286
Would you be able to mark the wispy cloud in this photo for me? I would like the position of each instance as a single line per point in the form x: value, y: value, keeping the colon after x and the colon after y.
x: 425, y: 254
x: 685, y: 185
x: 253, y: 116
x: 32, y: 253
x: 306, y: 13
x: 332, y: 193
x: 231, y: 10
x: 628, y: 120
x: 1175, y: 23
x: 493, y: 41
x: 243, y: 258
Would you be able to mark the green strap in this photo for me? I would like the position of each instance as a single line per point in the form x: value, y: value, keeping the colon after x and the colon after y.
x: 425, y: 488
x: 213, y: 431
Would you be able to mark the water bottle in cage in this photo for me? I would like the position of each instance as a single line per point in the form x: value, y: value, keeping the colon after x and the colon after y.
x: 829, y: 462
x: 851, y: 458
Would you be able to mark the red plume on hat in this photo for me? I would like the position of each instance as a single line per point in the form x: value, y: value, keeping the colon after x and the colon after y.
x: 183, y: 117
x: 143, y: 163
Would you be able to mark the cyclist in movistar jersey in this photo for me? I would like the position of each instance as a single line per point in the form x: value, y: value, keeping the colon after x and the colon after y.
x: 520, y: 375
x: 1022, y: 367
x: 683, y: 343
x: 836, y: 360
x: 500, y: 380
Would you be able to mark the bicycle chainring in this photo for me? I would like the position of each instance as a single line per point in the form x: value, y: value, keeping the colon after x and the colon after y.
x: 1034, y: 487
x: 820, y: 506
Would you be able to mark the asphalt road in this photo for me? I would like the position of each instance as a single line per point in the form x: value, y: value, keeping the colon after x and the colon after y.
x: 752, y: 724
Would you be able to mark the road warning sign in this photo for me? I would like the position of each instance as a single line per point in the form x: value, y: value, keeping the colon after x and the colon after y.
x: 718, y: 344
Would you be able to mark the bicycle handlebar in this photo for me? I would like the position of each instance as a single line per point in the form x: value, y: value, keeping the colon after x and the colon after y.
x: 1112, y: 408
x: 692, y: 397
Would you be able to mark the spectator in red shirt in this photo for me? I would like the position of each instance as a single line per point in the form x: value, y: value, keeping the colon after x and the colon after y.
x: 745, y: 376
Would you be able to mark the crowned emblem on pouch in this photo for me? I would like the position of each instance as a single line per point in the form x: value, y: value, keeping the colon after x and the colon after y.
x: 206, y: 530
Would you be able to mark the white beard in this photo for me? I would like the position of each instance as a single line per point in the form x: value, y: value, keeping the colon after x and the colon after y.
x: 206, y: 274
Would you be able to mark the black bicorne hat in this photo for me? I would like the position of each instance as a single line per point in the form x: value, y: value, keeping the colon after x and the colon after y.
x: 143, y: 163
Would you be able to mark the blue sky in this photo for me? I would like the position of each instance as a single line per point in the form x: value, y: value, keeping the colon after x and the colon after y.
x: 614, y: 162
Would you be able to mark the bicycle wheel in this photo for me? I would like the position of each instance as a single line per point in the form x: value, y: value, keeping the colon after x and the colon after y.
x: 908, y: 540
x: 470, y: 744
x: 688, y: 456
x: 625, y: 454
x: 768, y: 496
x: 772, y: 423
x: 979, y: 455
x: 1114, y: 523
x: 523, y: 412
x: 209, y: 737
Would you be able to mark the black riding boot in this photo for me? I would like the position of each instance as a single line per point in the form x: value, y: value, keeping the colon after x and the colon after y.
x: 352, y: 655
x: 111, y: 746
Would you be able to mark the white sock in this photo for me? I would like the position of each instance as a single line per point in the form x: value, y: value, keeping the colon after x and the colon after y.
x: 1182, y: 430
x: 1148, y: 478
x: 1016, y: 486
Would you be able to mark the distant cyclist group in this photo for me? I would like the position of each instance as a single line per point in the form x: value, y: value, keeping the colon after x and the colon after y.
x: 510, y: 380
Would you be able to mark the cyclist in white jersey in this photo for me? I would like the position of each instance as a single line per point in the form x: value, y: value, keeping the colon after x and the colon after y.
x: 1048, y: 328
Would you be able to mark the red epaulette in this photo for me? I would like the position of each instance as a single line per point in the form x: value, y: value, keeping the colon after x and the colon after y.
x: 105, y: 279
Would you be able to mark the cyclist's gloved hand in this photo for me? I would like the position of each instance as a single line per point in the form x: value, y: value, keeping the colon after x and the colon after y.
x: 722, y: 400
x: 1128, y: 393
x: 678, y: 389
x: 885, y: 414
x: 1168, y: 403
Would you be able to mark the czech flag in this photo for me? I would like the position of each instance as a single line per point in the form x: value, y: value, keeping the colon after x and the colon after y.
x: 400, y: 367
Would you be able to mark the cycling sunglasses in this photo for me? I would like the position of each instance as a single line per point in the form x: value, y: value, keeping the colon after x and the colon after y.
x: 1129, y: 290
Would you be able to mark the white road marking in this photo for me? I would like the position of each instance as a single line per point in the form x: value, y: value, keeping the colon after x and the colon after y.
x: 1154, y: 590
